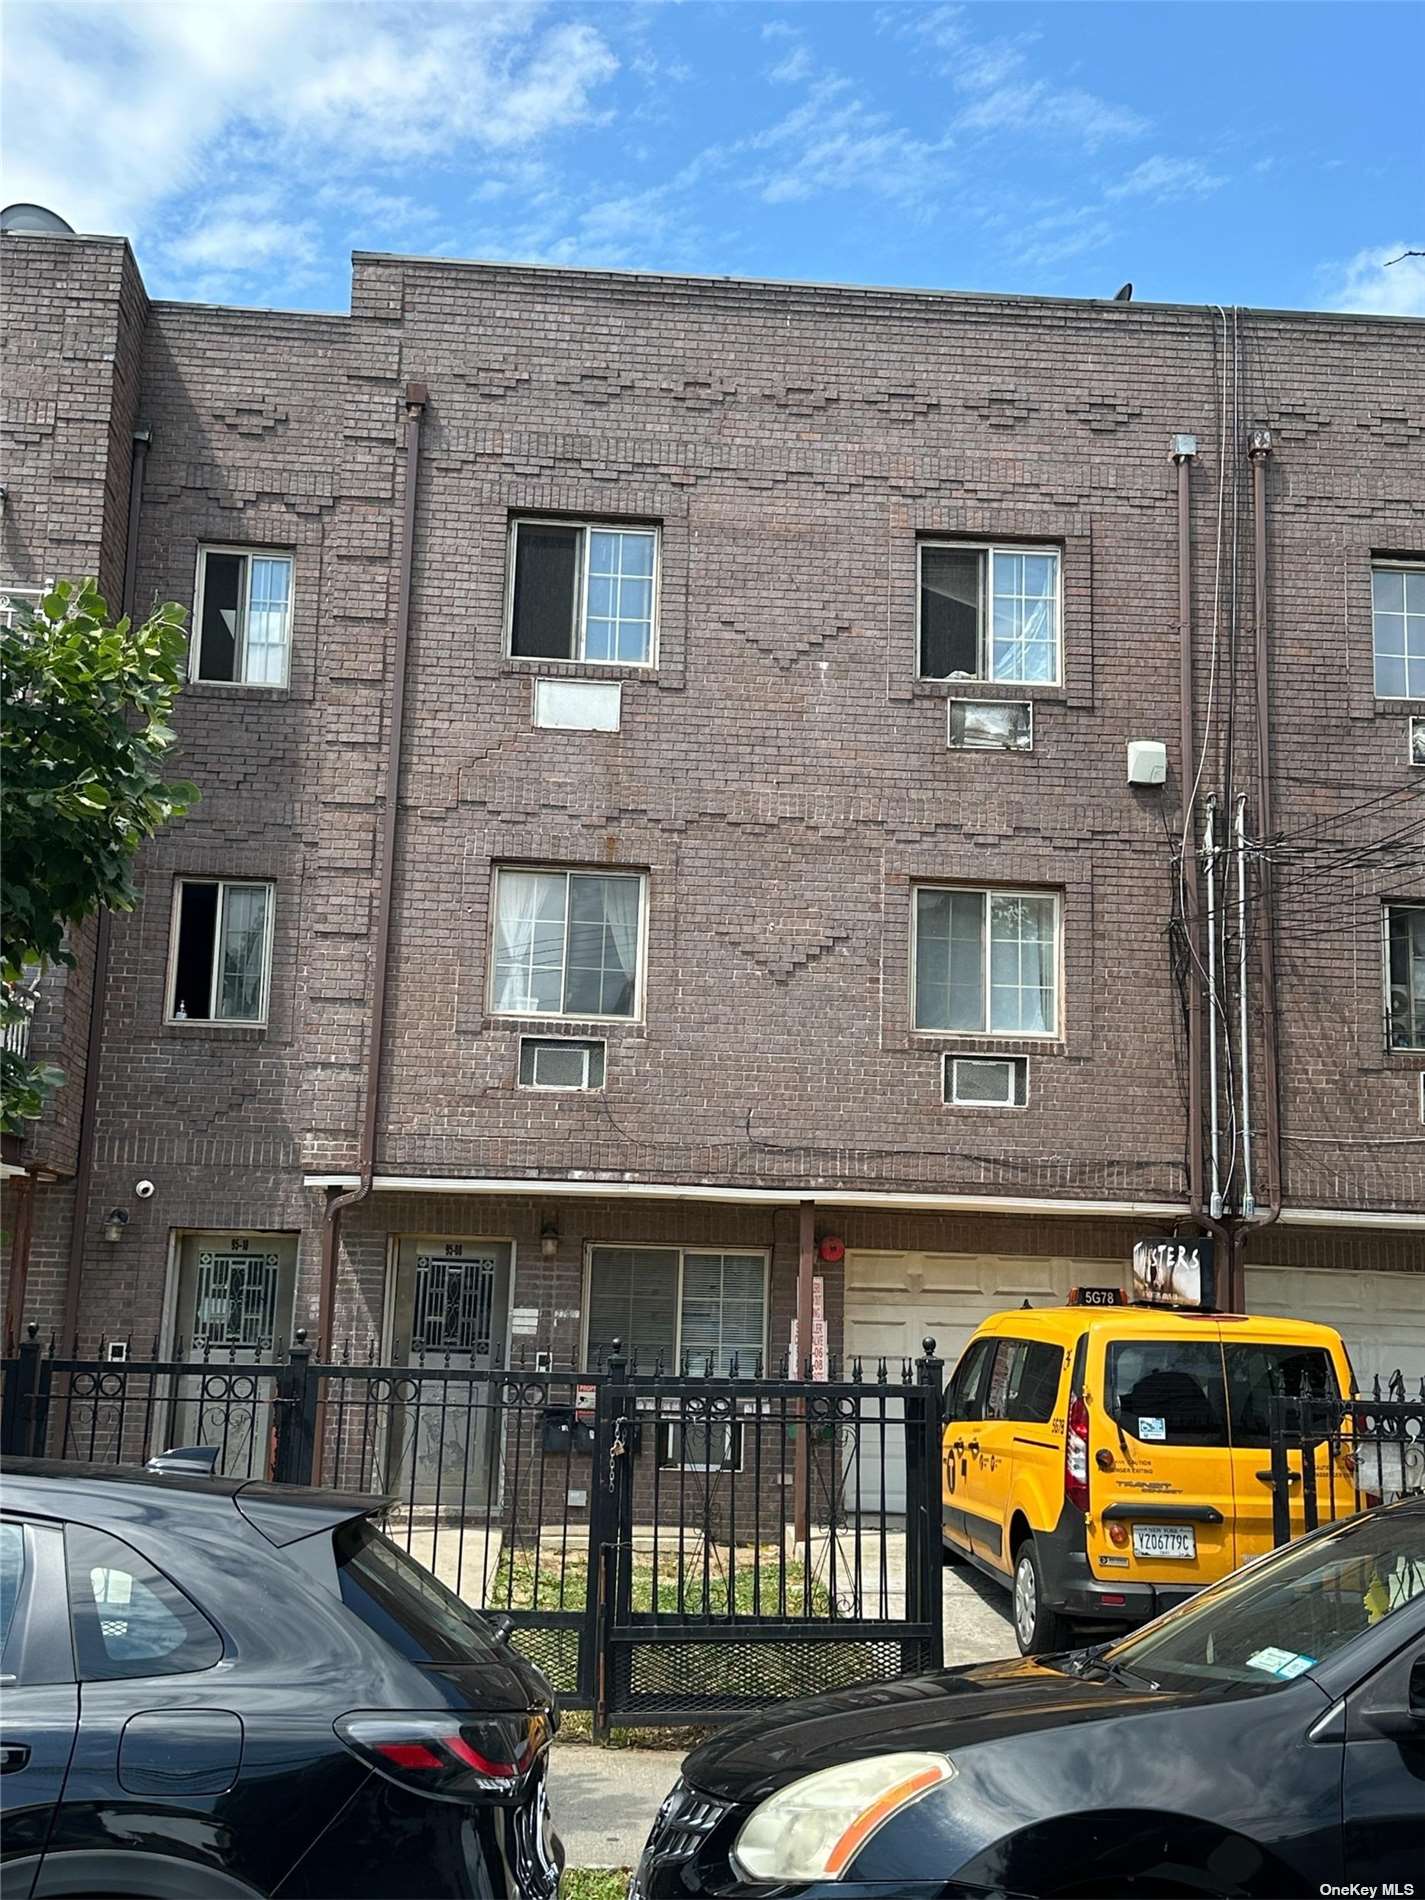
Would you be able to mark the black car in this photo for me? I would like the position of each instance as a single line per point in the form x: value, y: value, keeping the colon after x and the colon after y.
x: 214, y: 1690
x: 1265, y: 1738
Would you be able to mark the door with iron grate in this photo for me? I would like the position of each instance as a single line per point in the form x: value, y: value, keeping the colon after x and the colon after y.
x: 449, y: 1314
x: 233, y: 1309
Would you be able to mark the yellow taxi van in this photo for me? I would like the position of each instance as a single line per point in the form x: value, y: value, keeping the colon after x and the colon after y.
x: 1107, y: 1460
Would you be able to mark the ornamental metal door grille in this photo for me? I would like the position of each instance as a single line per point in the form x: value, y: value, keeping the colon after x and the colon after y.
x: 454, y: 1300
x: 236, y: 1301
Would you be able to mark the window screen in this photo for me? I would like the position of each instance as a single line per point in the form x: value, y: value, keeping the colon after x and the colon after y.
x: 128, y: 1619
x: 546, y: 591
x: 1168, y: 1391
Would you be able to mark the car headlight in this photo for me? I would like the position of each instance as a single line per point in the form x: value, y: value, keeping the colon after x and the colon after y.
x: 813, y: 1828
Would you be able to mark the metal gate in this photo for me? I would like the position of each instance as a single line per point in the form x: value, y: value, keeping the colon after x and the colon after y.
x: 668, y: 1547
x: 1331, y: 1457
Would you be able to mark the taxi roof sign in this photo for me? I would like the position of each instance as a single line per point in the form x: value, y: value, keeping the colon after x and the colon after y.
x: 1097, y: 1296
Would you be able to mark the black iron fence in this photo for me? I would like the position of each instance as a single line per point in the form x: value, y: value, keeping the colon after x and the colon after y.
x: 1332, y: 1457
x: 668, y: 1546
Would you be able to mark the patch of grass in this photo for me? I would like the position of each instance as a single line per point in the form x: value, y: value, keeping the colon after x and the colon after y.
x: 577, y: 1725
x: 594, y: 1883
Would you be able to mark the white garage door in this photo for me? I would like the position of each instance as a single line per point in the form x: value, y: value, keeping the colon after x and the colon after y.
x: 894, y: 1300
x: 1381, y: 1316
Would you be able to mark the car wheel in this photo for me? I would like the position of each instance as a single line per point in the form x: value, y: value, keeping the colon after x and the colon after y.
x: 1036, y: 1627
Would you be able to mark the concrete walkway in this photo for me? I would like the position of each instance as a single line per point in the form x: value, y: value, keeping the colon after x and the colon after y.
x: 603, y: 1800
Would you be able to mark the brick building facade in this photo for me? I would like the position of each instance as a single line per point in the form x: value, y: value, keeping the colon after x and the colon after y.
x: 737, y: 858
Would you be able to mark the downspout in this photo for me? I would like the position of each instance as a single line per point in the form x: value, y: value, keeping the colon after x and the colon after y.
x: 1184, y: 448
x: 1259, y: 449
x: 99, y: 988
x: 337, y: 1204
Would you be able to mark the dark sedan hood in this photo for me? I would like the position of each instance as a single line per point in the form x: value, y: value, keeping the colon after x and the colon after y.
x: 946, y: 1711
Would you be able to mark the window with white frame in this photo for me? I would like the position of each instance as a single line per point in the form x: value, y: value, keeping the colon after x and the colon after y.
x: 17, y: 601
x: 566, y: 943
x: 989, y: 613
x: 1405, y: 974
x: 221, y: 953
x: 662, y: 1303
x: 242, y: 620
x: 986, y: 961
x: 1398, y: 628
x: 582, y: 591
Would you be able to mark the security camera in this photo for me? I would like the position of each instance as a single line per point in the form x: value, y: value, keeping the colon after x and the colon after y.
x: 144, y: 1189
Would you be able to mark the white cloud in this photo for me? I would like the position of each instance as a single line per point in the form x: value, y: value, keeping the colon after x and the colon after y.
x: 1371, y: 281
x: 1057, y: 236
x: 834, y: 142
x: 1164, y: 179
x: 1037, y: 108
x: 143, y: 102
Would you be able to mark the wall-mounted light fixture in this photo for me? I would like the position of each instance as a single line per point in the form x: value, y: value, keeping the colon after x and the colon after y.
x: 115, y: 1221
x: 549, y: 1241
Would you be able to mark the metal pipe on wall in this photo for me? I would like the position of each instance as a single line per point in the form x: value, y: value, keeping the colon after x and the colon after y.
x: 416, y: 398
x: 1184, y: 448
x: 1249, y: 1205
x: 1209, y: 854
x: 1260, y: 449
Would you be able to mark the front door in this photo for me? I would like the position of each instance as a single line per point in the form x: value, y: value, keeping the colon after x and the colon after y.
x: 234, y: 1309
x: 451, y: 1303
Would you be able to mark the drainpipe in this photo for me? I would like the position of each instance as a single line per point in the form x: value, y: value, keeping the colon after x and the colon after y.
x: 1259, y: 449
x: 337, y: 1204
x: 1184, y: 448
x: 1209, y: 854
x: 99, y: 988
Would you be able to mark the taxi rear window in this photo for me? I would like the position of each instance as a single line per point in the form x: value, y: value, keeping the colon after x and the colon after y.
x: 1256, y: 1373
x: 1167, y: 1391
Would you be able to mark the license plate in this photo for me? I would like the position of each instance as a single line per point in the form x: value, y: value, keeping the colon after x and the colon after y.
x: 1164, y: 1540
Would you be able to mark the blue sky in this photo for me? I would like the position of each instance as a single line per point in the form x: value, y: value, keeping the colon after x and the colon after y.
x: 1237, y: 153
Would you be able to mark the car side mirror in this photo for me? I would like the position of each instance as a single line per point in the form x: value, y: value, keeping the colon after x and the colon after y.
x: 501, y: 1626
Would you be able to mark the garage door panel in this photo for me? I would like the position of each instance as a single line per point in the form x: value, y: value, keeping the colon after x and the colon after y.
x: 1381, y: 1316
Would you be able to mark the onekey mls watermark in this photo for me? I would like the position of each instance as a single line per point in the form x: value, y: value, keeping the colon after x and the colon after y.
x: 1368, y: 1890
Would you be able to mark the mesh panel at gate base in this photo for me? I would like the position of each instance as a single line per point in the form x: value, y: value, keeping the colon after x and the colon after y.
x: 688, y: 1679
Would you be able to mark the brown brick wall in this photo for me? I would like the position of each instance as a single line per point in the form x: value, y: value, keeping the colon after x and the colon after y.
x: 781, y: 776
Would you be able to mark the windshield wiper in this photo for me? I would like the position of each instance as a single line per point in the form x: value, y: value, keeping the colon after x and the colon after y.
x: 1097, y: 1659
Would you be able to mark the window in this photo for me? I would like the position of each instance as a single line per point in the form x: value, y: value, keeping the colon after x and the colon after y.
x: 1398, y: 629
x: 560, y: 1063
x: 1167, y: 1391
x: 1024, y: 1383
x: 566, y: 943
x: 1257, y: 1374
x: 582, y: 592
x: 128, y: 1619
x: 243, y: 619
x: 962, y: 1395
x: 403, y: 1603
x: 665, y: 1303
x: 18, y: 603
x: 12, y: 1575
x: 986, y: 961
x: 1405, y: 974
x: 222, y: 940
x: 987, y: 1081
x: 989, y: 613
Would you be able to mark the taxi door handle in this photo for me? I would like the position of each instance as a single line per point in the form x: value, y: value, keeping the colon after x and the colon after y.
x: 1292, y: 1477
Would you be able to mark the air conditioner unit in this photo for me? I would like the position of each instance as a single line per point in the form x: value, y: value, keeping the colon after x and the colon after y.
x: 987, y: 1081
x: 1417, y: 740
x: 561, y: 1062
x: 990, y: 725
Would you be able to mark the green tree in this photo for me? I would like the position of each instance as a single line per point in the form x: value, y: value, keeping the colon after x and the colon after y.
x: 84, y: 709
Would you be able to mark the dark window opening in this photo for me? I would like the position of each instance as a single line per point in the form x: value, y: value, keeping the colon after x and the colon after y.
x: 1257, y: 1374
x: 949, y: 612
x: 1168, y: 1391
x: 546, y: 586
x: 222, y: 608
x: 197, y: 938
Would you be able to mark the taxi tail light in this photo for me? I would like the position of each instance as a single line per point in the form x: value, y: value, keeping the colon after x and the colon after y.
x: 1076, y: 1454
x: 442, y: 1756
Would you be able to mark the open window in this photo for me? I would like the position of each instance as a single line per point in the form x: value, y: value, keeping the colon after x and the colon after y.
x: 242, y: 621
x: 989, y: 613
x: 583, y: 591
x: 220, y: 960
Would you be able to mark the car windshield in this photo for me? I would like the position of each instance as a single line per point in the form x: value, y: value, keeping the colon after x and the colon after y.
x: 1280, y: 1617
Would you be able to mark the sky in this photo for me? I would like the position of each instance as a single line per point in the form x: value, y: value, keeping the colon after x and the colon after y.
x: 1259, y: 154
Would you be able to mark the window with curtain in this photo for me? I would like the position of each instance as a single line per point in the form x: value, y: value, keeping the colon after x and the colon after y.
x: 221, y: 954
x: 582, y: 591
x: 665, y: 1302
x: 989, y: 613
x: 566, y: 943
x: 1405, y: 975
x: 242, y: 622
x: 986, y: 962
